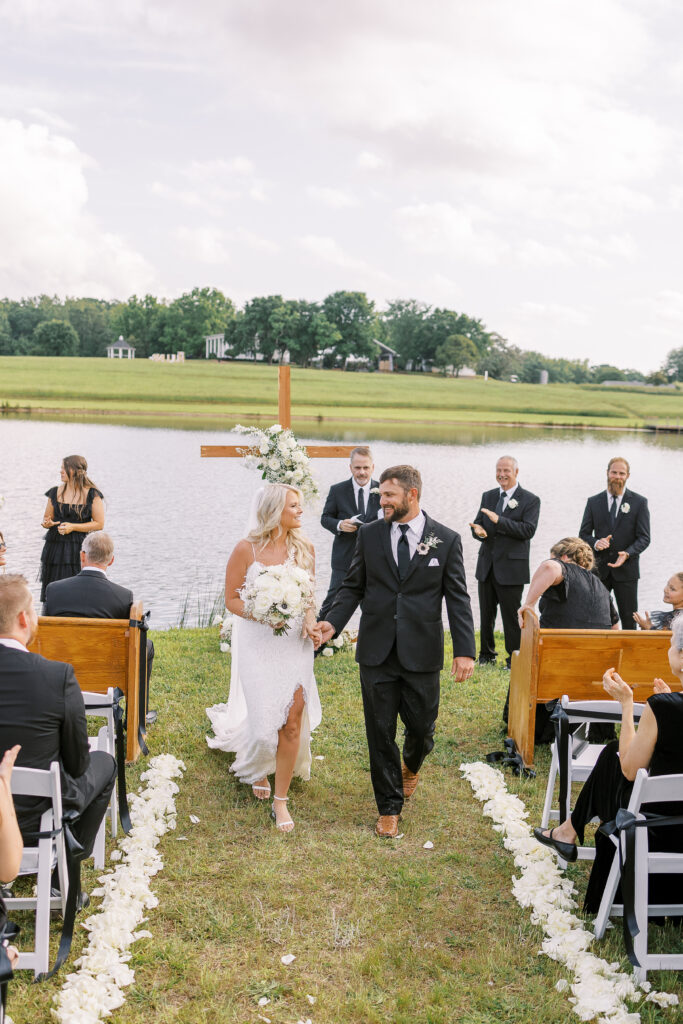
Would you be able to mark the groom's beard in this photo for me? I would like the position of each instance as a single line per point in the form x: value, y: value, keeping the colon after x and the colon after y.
x: 394, y: 513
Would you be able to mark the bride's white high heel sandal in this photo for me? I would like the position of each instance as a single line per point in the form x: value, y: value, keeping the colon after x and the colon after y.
x: 261, y: 792
x: 282, y: 826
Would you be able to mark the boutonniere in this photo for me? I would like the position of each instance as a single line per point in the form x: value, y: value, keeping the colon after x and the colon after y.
x: 424, y: 547
x: 513, y: 503
x: 374, y: 490
x: 625, y: 507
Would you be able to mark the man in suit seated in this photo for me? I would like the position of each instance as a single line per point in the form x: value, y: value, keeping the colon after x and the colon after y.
x: 90, y: 595
x: 616, y: 524
x: 348, y: 505
x: 43, y: 711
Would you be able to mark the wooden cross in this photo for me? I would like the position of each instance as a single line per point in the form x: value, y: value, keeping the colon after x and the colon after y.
x: 314, y: 451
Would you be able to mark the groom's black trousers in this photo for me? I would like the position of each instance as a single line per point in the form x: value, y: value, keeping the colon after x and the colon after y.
x: 389, y: 692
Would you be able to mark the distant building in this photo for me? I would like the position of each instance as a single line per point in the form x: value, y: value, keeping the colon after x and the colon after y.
x: 121, y: 350
x: 386, y: 357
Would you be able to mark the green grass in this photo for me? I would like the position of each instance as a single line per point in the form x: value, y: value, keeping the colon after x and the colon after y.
x: 208, y: 394
x: 384, y: 932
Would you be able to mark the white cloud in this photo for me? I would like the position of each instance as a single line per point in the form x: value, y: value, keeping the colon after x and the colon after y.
x: 367, y: 161
x: 206, y: 244
x: 332, y: 197
x: 50, y: 241
x: 457, y: 233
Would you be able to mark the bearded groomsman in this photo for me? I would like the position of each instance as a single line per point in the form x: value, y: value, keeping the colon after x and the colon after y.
x: 504, y: 524
x: 616, y: 524
x: 349, y: 505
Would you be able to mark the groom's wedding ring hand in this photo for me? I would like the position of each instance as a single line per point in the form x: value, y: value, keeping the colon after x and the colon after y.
x: 462, y: 669
x: 327, y: 631
x: 479, y: 530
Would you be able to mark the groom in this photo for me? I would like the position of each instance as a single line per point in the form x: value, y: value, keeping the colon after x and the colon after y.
x: 402, y: 568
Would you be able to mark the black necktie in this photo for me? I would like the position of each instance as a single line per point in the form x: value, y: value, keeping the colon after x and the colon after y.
x: 501, y: 500
x: 403, y: 551
x: 361, y: 501
x: 613, y: 511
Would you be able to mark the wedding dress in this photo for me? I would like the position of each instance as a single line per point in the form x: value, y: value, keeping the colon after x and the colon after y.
x: 266, y: 672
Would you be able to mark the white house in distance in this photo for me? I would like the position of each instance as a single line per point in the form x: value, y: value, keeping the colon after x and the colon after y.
x: 121, y: 350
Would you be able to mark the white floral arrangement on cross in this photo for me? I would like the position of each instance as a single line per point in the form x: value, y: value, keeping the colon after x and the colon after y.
x: 340, y: 644
x: 279, y: 458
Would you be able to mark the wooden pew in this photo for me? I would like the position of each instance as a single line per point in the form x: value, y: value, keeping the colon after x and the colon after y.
x: 104, y: 653
x: 552, y: 662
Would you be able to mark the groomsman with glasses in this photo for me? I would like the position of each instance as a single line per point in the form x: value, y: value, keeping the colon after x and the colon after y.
x: 349, y: 504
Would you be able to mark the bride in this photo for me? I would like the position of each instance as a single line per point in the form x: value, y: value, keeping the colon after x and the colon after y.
x: 273, y: 704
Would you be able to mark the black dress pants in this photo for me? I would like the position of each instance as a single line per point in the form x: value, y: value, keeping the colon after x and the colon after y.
x: 509, y: 597
x: 626, y: 596
x: 391, y: 691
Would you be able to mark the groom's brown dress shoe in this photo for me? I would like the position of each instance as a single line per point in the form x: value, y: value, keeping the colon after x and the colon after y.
x: 387, y: 826
x: 410, y: 780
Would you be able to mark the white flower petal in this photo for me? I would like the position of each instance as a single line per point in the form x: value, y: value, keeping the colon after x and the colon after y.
x: 429, y: 845
x: 287, y: 959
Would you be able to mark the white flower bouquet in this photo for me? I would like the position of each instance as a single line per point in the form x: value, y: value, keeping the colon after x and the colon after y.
x: 279, y: 458
x: 276, y: 594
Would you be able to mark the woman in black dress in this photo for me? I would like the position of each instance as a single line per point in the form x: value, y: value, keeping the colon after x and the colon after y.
x: 657, y: 745
x: 73, y: 509
x: 571, y: 596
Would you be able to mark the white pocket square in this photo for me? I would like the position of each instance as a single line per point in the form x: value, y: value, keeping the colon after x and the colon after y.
x: 434, y: 561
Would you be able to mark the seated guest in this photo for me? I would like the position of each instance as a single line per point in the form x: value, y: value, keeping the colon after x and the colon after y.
x: 11, y: 847
x: 673, y: 595
x: 91, y: 595
x: 570, y: 596
x: 657, y: 745
x: 43, y: 710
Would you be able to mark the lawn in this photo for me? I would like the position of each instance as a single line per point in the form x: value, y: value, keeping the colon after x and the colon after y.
x: 211, y: 394
x: 382, y: 931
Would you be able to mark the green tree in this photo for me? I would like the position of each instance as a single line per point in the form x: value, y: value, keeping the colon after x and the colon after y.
x: 264, y: 324
x: 55, y: 338
x: 306, y: 331
x: 606, y: 372
x: 454, y: 353
x: 673, y: 364
x: 191, y: 317
x: 92, y: 319
x: 353, y: 314
x: 141, y: 322
x: 404, y: 320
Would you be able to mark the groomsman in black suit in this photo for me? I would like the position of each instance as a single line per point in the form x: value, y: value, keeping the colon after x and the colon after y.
x: 349, y: 505
x: 506, y: 522
x: 91, y: 595
x: 43, y: 710
x: 616, y: 524
x: 403, y: 567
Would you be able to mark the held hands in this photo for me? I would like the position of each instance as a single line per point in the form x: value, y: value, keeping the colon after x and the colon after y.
x: 645, y: 622
x: 348, y: 526
x: 616, y: 687
x: 603, y: 543
x: 462, y: 669
x: 479, y: 530
x: 493, y: 516
x: 621, y: 558
x: 327, y: 631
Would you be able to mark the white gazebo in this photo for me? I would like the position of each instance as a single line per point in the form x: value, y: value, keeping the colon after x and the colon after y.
x: 121, y: 350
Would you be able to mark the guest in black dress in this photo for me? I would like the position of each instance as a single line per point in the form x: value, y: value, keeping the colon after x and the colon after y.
x: 570, y: 596
x: 73, y: 509
x: 673, y: 595
x: 657, y: 745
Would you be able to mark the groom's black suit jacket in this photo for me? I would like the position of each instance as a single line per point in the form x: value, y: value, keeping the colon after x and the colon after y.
x: 406, y: 613
x: 631, y: 534
x: 506, y: 546
x: 89, y: 595
x: 341, y: 504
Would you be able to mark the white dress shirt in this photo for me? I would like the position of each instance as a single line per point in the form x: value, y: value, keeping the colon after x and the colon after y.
x: 508, y: 495
x: 616, y: 497
x: 9, y: 641
x: 413, y: 534
x: 366, y: 498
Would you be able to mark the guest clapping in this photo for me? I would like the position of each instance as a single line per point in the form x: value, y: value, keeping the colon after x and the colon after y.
x: 657, y: 746
x: 673, y: 595
x: 73, y: 509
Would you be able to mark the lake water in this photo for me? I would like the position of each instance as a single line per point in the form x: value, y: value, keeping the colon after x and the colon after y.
x: 175, y: 516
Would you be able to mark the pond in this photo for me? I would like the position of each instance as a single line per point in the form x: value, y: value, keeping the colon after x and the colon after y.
x: 174, y: 517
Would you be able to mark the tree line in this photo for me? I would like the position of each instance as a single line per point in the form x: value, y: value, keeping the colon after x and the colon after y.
x: 344, y: 324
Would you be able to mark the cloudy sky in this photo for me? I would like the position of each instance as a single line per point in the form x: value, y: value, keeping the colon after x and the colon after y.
x: 520, y: 162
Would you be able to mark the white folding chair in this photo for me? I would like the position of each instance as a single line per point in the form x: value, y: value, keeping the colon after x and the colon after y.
x: 580, y: 756
x: 101, y: 705
x: 646, y: 790
x: 40, y: 860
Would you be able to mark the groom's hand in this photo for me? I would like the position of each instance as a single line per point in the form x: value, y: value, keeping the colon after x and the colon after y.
x: 326, y: 630
x: 462, y: 669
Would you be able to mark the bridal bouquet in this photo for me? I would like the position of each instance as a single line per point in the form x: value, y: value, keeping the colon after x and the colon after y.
x: 276, y: 594
x: 279, y: 458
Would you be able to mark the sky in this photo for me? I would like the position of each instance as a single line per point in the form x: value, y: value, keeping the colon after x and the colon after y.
x: 518, y: 162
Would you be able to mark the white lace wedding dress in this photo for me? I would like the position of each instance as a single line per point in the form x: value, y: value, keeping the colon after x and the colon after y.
x: 266, y: 672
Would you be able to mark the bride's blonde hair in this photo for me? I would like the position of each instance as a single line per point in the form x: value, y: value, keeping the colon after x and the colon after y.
x: 268, y: 523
